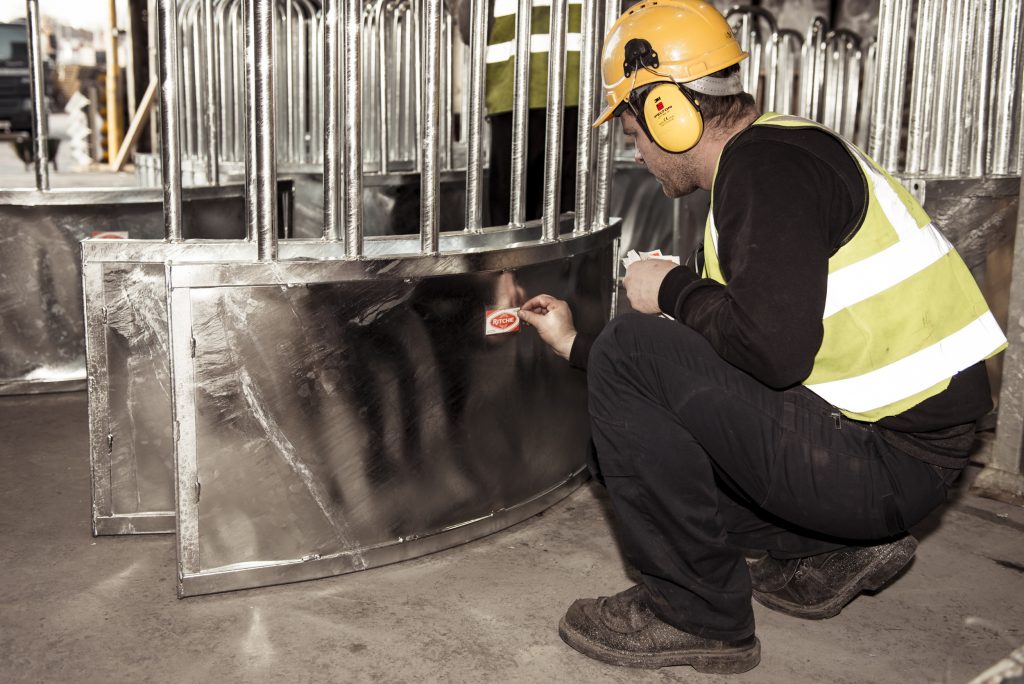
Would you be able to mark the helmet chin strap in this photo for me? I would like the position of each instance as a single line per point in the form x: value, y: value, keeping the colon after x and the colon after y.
x: 716, y: 87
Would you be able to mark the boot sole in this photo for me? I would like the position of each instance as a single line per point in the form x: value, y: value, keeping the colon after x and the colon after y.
x: 872, y: 578
x: 717, y: 661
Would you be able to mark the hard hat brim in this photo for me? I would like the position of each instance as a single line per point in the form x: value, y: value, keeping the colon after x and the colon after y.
x: 606, y: 115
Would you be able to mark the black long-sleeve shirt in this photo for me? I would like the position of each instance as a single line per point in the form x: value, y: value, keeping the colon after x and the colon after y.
x: 785, y: 201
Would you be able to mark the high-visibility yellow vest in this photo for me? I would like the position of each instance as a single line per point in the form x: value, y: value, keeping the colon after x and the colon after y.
x: 903, y: 314
x: 501, y: 51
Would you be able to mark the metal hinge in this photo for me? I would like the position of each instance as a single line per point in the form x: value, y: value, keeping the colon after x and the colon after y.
x: 199, y: 490
x: 192, y: 347
x: 177, y: 431
x: 110, y: 442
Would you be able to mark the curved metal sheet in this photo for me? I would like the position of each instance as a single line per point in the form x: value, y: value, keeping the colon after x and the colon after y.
x: 326, y: 418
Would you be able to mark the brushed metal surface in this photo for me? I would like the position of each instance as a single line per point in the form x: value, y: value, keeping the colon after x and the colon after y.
x: 41, y: 321
x: 348, y: 406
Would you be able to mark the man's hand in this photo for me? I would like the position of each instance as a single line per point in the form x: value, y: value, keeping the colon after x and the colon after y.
x: 642, y: 283
x: 553, y: 320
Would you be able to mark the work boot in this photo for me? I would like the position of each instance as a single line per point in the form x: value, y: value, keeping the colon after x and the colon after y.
x: 817, y: 587
x: 622, y: 630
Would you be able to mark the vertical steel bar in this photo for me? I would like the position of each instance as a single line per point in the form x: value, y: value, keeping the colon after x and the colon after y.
x: 40, y: 127
x: 938, y: 145
x: 983, y: 72
x: 261, y: 120
x: 964, y: 45
x: 352, y: 155
x: 332, y: 141
x: 385, y: 75
x: 475, y: 122
x: 289, y: 79
x: 430, y: 179
x: 238, y: 21
x: 1009, y: 67
x: 446, y: 90
x: 898, y: 83
x: 919, y: 81
x: 584, y: 130
x: 418, y: 28
x: 520, y: 112
x: 170, y: 126
x: 602, y: 184
x: 304, y: 53
x: 870, y: 83
x: 854, y: 69
x: 883, y: 81
x: 553, y: 123
x: 154, y: 68
x: 212, y: 105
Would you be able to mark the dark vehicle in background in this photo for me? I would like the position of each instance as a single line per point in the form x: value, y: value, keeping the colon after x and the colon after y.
x: 15, y: 87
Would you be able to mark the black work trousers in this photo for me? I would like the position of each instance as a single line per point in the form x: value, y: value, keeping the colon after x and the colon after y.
x: 702, y: 462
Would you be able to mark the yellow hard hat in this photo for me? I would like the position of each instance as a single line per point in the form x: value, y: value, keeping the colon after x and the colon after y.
x: 664, y: 40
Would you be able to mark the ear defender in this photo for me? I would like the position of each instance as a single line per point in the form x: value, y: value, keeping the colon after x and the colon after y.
x: 672, y: 118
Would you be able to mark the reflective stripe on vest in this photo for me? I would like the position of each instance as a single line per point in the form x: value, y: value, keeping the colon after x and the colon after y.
x: 903, y: 314
x: 501, y: 49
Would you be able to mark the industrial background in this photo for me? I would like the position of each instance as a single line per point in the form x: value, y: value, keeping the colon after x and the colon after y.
x: 246, y: 251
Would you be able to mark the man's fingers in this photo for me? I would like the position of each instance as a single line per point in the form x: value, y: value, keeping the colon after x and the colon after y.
x: 539, y: 303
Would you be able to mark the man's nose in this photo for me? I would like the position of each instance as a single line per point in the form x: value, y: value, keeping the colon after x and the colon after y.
x: 637, y: 157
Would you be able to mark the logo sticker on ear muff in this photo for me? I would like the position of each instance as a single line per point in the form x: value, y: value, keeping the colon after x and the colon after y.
x: 673, y: 120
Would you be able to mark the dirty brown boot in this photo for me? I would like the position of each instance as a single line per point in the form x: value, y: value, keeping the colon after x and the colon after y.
x: 817, y: 587
x: 622, y: 630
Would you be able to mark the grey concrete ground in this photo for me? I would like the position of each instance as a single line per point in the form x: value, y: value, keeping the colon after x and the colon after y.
x: 78, y: 609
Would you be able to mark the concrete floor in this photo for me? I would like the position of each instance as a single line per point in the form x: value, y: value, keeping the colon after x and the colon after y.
x: 78, y: 609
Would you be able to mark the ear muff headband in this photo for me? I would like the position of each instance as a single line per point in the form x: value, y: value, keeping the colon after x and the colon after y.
x: 670, y: 117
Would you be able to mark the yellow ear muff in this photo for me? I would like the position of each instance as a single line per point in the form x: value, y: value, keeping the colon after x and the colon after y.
x: 673, y: 119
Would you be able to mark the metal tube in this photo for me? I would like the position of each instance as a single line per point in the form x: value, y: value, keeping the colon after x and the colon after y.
x: 760, y: 52
x: 353, y: 155
x: 854, y: 68
x: 553, y: 123
x: 520, y: 112
x: 40, y: 128
x: 224, y: 100
x: 809, y: 67
x: 1009, y: 67
x: 303, y: 68
x: 261, y: 124
x: 289, y: 80
x: 238, y: 65
x: 584, y: 130
x: 982, y: 76
x: 332, y: 121
x: 170, y: 126
x: 602, y: 184
x: 475, y: 120
x: 384, y: 75
x: 317, y: 90
x: 920, y: 79
x: 430, y: 179
x: 418, y: 27
x: 898, y: 83
x: 940, y: 126
x: 963, y: 47
x: 446, y: 90
x: 212, y: 104
x: 792, y: 44
x: 870, y: 80
x: 886, y: 31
